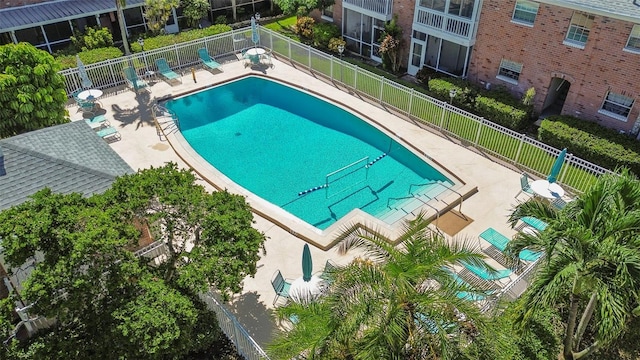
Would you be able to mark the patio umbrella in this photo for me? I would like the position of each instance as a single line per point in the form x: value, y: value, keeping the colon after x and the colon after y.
x: 307, y: 263
x: 555, y: 169
x: 82, y: 72
x: 255, y: 37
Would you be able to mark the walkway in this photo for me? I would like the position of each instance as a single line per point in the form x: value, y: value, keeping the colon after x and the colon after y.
x: 141, y: 148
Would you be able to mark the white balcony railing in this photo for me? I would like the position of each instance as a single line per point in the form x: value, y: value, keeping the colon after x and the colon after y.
x: 378, y: 6
x: 453, y: 25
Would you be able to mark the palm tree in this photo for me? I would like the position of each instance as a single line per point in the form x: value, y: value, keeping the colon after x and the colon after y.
x: 120, y: 4
x: 395, y: 302
x: 591, y: 267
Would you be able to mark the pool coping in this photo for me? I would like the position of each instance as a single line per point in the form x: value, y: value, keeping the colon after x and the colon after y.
x: 355, y: 219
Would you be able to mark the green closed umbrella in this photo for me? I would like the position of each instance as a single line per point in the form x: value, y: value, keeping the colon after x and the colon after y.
x: 307, y: 263
x: 555, y: 169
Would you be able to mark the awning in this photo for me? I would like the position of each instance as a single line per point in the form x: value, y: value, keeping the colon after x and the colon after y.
x: 23, y: 17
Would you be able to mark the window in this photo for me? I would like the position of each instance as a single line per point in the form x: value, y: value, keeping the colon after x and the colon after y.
x: 509, y: 71
x: 617, y: 106
x: 463, y: 8
x: 437, y: 5
x: 579, y: 28
x: 327, y: 12
x: 525, y: 12
x: 633, y: 43
x: 419, y: 35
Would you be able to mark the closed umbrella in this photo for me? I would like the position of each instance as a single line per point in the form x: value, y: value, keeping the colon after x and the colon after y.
x: 82, y: 72
x: 307, y: 263
x: 555, y: 169
x: 255, y: 37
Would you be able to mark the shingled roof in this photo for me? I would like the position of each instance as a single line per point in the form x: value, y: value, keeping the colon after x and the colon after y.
x: 66, y: 158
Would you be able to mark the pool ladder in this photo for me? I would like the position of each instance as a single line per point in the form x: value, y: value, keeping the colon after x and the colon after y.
x: 163, y: 116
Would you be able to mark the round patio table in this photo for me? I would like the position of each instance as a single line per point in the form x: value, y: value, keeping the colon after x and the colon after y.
x: 304, y: 292
x: 547, y: 190
x: 91, y: 94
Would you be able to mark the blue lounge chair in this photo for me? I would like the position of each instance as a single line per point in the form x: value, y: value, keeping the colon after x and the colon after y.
x: 465, y: 294
x: 165, y: 70
x: 97, y: 122
x: 485, y: 274
x: 207, y: 60
x: 133, y: 81
x: 499, y: 241
x: 534, y: 223
x: 109, y: 134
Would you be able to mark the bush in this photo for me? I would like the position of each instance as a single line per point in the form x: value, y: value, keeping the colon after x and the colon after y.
x: 465, y: 93
x: 323, y: 33
x: 335, y: 42
x: 304, y: 27
x: 89, y: 57
x: 501, y: 113
x: 93, y: 38
x: 591, y: 142
x: 160, y: 41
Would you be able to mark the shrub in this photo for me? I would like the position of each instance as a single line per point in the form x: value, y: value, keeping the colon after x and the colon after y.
x: 89, y: 57
x: 157, y: 42
x: 220, y: 20
x: 335, y: 42
x: 501, y: 113
x: 323, y: 33
x: 591, y: 142
x: 465, y: 93
x: 93, y: 38
x: 304, y: 27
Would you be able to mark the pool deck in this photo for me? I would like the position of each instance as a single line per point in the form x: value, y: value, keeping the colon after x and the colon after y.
x: 141, y: 147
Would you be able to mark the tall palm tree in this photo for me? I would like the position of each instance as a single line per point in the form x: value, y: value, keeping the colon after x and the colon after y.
x: 394, y: 302
x: 120, y: 4
x: 592, y: 262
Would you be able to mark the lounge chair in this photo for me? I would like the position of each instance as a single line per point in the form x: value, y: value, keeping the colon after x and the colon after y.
x: 525, y: 187
x: 97, y: 122
x: 485, y: 274
x: 327, y: 274
x: 534, y: 223
x: 280, y: 285
x: 166, y: 72
x: 109, y: 134
x: 133, y: 81
x: 207, y: 60
x: 499, y: 242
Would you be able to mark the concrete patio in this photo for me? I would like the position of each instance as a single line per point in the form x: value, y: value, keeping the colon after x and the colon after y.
x: 141, y: 147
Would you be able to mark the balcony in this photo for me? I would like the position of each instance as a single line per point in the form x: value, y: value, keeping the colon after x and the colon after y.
x: 453, y: 25
x: 382, y: 7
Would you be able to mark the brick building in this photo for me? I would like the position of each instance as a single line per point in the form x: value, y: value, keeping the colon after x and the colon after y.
x: 582, y: 57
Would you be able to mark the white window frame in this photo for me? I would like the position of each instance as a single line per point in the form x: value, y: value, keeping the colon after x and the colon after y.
x: 579, y: 26
x: 509, y: 71
x: 617, y: 106
x: 327, y: 17
x: 633, y: 43
x: 527, y: 7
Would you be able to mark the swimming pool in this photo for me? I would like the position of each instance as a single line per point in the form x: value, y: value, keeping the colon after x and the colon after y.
x: 305, y: 155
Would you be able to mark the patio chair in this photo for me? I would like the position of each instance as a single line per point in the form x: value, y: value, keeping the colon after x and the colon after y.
x: 525, y: 187
x: 486, y: 274
x: 97, y: 122
x: 534, y: 222
x: 207, y: 60
x: 87, y: 106
x: 499, y: 244
x: 166, y: 72
x: 327, y: 273
x: 109, y: 134
x: 280, y: 285
x: 133, y: 81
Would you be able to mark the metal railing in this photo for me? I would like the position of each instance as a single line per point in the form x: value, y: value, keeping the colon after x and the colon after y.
x: 440, y: 21
x: 379, y: 6
x: 500, y: 142
x: 244, y: 343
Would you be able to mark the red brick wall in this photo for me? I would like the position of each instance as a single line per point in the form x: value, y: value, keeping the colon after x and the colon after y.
x: 600, y: 66
x: 11, y: 3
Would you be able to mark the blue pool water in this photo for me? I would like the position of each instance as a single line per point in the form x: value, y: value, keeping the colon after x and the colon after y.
x: 281, y: 143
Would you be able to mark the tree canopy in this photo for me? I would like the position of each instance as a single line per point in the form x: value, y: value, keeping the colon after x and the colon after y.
x: 32, y: 94
x: 591, y: 267
x: 393, y: 303
x: 158, y: 12
x: 110, y: 303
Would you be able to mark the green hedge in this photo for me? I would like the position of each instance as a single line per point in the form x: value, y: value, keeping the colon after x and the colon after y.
x: 495, y: 105
x: 89, y: 57
x: 591, y: 142
x: 161, y: 41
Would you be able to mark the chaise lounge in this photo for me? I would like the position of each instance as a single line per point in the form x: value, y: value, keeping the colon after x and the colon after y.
x: 133, y: 81
x: 207, y: 61
x: 166, y: 72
